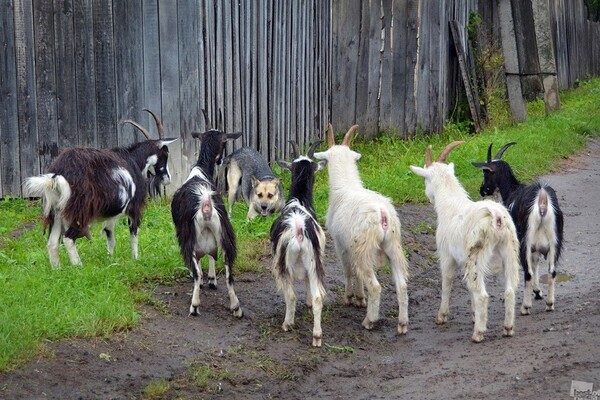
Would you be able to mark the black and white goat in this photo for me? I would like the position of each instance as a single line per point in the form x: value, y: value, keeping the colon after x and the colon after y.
x: 539, y: 220
x: 366, y: 232
x: 84, y: 185
x: 299, y: 242
x: 201, y: 221
x: 477, y: 236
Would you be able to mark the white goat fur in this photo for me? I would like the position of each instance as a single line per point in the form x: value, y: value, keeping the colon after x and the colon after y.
x: 366, y: 232
x: 477, y: 236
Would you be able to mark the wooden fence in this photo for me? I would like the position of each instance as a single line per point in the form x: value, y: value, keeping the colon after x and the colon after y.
x: 72, y: 70
x: 395, y: 69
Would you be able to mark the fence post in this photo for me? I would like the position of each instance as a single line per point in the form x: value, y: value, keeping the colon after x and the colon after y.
x: 543, y: 33
x: 511, y: 62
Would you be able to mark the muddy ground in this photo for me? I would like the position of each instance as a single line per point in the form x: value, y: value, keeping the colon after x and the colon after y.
x: 253, y: 358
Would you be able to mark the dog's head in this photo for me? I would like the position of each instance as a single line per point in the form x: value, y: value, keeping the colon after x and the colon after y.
x: 266, y: 196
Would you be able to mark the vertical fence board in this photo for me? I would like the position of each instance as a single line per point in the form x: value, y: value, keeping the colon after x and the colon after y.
x: 85, y: 73
x: 151, y: 63
x: 26, y: 88
x: 128, y: 45
x: 169, y: 70
x: 10, y: 173
x: 66, y: 77
x: 106, y: 108
x: 43, y: 29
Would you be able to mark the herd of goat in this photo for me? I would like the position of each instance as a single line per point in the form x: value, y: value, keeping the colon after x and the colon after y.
x: 85, y: 185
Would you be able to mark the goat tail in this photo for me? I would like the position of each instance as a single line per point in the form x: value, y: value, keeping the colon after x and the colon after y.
x: 54, y: 190
x: 542, y: 203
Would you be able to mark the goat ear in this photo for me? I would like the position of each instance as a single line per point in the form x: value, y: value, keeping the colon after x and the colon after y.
x: 482, y: 165
x: 233, y: 136
x: 422, y: 172
x: 284, y: 164
x: 320, y: 165
x: 320, y: 155
x: 356, y: 155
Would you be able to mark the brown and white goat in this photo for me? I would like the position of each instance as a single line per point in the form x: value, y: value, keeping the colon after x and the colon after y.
x: 85, y: 185
x: 475, y: 236
x: 201, y: 221
x: 538, y: 218
x: 298, y: 242
x: 365, y: 229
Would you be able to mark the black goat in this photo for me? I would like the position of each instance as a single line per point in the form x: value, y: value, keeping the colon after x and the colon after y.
x: 84, y: 185
x: 537, y: 216
x: 201, y: 222
x: 299, y: 242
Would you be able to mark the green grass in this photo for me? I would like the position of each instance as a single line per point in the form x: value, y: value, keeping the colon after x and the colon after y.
x: 39, y: 304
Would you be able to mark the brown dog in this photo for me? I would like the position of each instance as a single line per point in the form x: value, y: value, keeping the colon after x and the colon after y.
x: 249, y: 176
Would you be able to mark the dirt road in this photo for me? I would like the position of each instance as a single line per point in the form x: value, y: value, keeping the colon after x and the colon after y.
x: 253, y: 359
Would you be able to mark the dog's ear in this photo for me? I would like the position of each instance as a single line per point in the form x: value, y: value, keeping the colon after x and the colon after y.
x: 254, y: 181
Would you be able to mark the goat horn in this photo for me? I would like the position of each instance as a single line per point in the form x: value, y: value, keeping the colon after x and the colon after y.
x: 159, y: 125
x: 349, y: 135
x: 206, y: 120
x: 489, y: 156
x: 502, y: 150
x: 141, y: 128
x: 295, y: 151
x: 312, y: 148
x: 330, y: 137
x: 428, y: 161
x: 444, y: 154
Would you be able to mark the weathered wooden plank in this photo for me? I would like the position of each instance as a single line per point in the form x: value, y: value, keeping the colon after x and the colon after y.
x: 85, y: 73
x: 412, y: 28
x: 10, y: 173
x: 45, y: 74
x: 227, y: 37
x: 385, y: 96
x: 65, y: 65
x: 236, y: 89
x: 104, y: 59
x: 511, y: 62
x: 345, y: 53
x: 169, y: 68
x: 151, y: 66
x: 262, y: 77
x: 189, y: 93
x: 219, y: 72
x: 26, y: 88
x: 458, y: 45
x: 527, y: 52
x: 128, y: 68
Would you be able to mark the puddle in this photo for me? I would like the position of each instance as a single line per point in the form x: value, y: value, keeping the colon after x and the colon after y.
x: 559, y: 278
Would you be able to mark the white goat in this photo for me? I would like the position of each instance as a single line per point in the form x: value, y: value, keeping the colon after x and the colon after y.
x: 476, y: 236
x: 365, y: 229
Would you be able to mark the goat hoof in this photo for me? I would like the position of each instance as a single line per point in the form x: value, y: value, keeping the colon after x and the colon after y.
x: 549, y: 307
x: 360, y: 302
x: 477, y: 337
x: 287, y: 326
x: 212, y: 285
x: 441, y: 319
x: 316, y: 341
x: 538, y: 294
x: 238, y: 312
x: 525, y: 310
x: 509, y: 331
x: 402, y: 328
x: 193, y: 311
x: 368, y: 324
x: 348, y: 300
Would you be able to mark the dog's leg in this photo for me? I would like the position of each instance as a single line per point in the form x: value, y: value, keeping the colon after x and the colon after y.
x: 234, y: 175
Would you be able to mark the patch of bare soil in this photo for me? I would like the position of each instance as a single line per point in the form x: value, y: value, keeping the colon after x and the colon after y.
x: 253, y: 358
